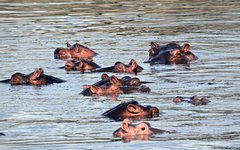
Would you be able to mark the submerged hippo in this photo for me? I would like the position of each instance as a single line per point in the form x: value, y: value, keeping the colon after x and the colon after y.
x: 120, y: 67
x: 76, y: 51
x: 141, y: 131
x: 114, y: 85
x: 195, y: 100
x: 132, y: 110
x: 82, y: 65
x: 114, y: 90
x: 35, y: 78
x: 171, y: 53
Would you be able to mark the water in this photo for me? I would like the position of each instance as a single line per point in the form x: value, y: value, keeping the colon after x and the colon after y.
x: 58, y: 117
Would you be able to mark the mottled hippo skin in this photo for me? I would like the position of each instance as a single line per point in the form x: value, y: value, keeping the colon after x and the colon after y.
x: 75, y: 51
x: 113, y: 86
x: 35, y: 78
x: 120, y: 67
x: 81, y: 65
x: 141, y: 131
x: 171, y: 53
x: 131, y: 110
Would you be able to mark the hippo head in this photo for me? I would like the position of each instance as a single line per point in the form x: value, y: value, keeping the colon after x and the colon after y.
x: 143, y: 129
x: 186, y: 50
x: 131, y: 68
x: 173, y: 56
x: 109, y: 90
x: 125, y: 82
x: 36, y: 78
x: 133, y: 110
x: 81, y: 52
x: 61, y: 53
x: 70, y: 65
x: 155, y: 48
x: 18, y: 79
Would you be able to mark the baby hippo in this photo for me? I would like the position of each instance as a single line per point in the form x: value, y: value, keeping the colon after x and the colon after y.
x: 35, y: 78
x: 120, y: 67
x: 195, y: 100
x: 82, y: 65
x: 141, y: 131
x: 171, y: 53
x: 75, y: 51
x: 132, y: 110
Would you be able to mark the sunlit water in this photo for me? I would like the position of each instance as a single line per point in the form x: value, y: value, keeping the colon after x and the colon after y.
x: 57, y: 116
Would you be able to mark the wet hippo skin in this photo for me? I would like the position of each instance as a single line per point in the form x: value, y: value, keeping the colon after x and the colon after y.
x: 132, y: 110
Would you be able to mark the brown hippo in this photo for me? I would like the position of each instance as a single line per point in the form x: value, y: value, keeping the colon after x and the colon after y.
x: 82, y: 65
x: 132, y: 110
x: 141, y: 131
x: 120, y: 67
x: 171, y: 53
x: 195, y: 100
x: 35, y: 78
x: 126, y: 84
x: 75, y: 51
x: 114, y: 90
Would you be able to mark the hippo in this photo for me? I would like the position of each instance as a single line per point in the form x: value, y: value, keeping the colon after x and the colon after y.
x: 82, y: 65
x: 195, y: 100
x: 126, y: 84
x: 114, y: 90
x: 76, y: 51
x: 131, y: 110
x: 120, y: 67
x: 35, y: 78
x: 171, y: 53
x: 140, y: 131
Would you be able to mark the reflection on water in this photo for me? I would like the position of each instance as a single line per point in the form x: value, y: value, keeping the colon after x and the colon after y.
x: 58, y: 117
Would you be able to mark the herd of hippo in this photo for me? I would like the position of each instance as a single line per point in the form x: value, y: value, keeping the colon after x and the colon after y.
x: 80, y: 58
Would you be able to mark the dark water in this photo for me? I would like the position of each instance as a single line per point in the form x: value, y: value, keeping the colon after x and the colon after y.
x: 58, y: 117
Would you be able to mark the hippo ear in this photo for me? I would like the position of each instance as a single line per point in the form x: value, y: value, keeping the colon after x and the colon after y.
x: 104, y: 76
x: 133, y: 109
x: 68, y: 44
x: 36, y: 74
x: 94, y: 89
x: 114, y: 80
x: 133, y: 64
x: 186, y: 47
x: 154, y: 44
x: 125, y: 125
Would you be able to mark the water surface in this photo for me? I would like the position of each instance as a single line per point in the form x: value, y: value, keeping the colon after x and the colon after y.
x: 57, y: 116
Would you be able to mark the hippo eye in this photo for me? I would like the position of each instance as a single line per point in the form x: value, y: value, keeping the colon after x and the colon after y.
x: 143, y: 128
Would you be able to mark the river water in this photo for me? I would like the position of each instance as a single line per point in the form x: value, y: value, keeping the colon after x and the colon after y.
x: 57, y: 116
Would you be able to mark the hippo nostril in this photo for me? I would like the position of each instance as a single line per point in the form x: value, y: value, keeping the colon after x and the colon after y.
x: 143, y: 128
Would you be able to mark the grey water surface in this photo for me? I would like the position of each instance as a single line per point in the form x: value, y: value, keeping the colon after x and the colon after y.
x: 57, y: 116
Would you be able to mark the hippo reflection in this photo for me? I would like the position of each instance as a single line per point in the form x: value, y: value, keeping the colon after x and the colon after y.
x: 132, y: 110
x: 141, y: 131
x: 171, y: 53
x: 120, y: 67
x: 82, y: 65
x: 35, y: 78
x: 195, y: 100
x: 76, y: 51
